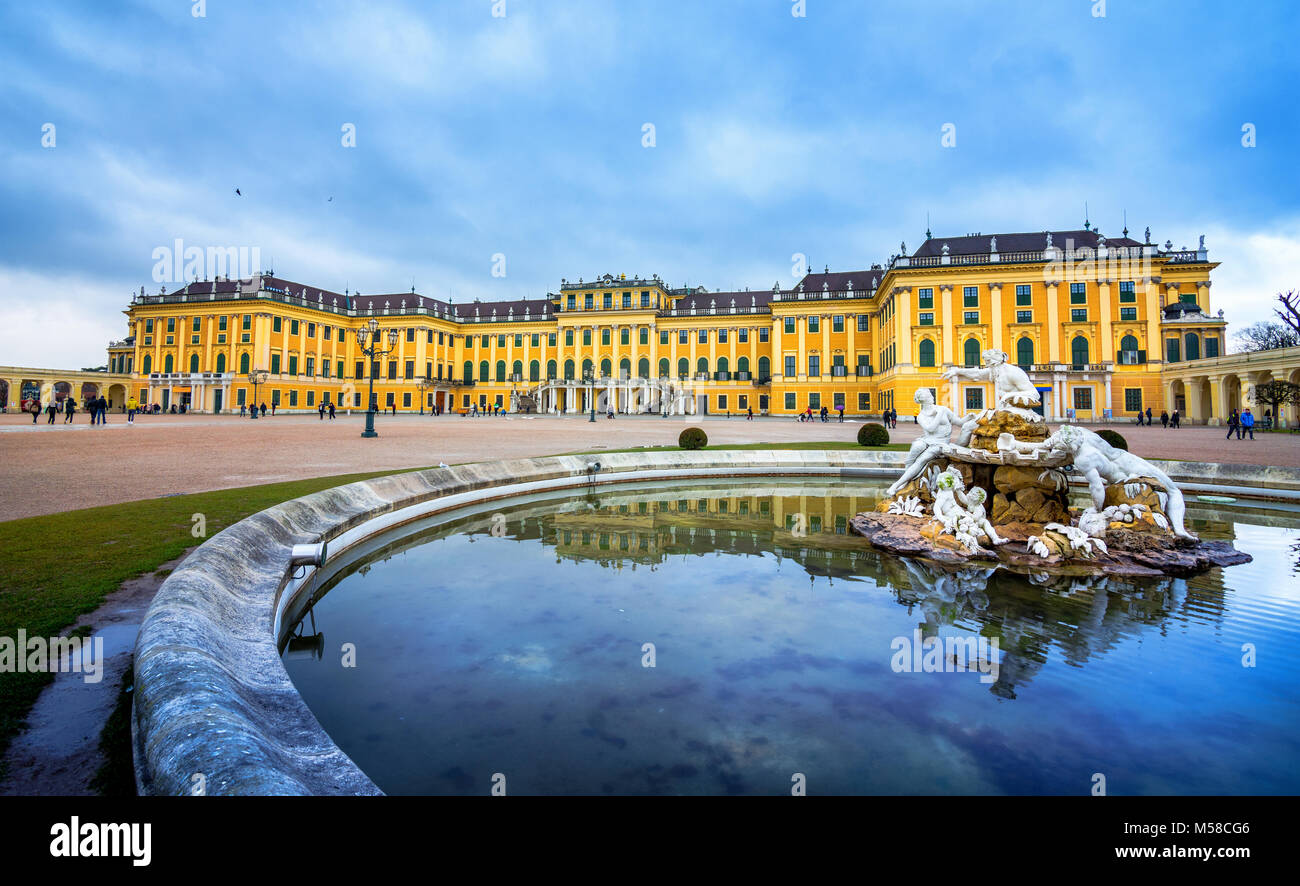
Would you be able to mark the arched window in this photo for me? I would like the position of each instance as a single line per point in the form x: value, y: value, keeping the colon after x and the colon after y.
x: 971, y: 351
x: 243, y: 364
x: 517, y: 369
x: 167, y: 364
x: 484, y: 371
x: 605, y: 367
x: 925, y: 352
x: 467, y: 371
x: 501, y: 370
x: 568, y: 369
x: 1025, y: 352
x: 1192, y: 344
x: 1079, y: 351
x: 534, y: 370
x: 221, y: 363
x: 1128, y: 343
x: 550, y: 369
x: 147, y: 363
x: 586, y: 367
x: 702, y: 365
x: 742, y: 364
x: 683, y: 367
x: 722, y: 364
x: 663, y: 367
x: 764, y: 367
x: 624, y: 368
x: 643, y: 368
x: 194, y: 362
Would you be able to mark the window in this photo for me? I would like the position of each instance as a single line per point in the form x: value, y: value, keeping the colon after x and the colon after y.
x: 927, y: 318
x: 789, y: 325
x: 971, y: 352
x: 974, y: 398
x: 311, y: 398
x: 815, y: 401
x: 643, y: 335
x: 645, y: 299
x: 410, y: 369
x: 194, y: 339
x: 293, y: 398
x: 311, y: 365
x: 683, y: 367
x: 1132, y: 399
x: 1126, y: 291
x: 275, y: 364
x: 764, y: 367
x: 1172, y: 350
x: 763, y: 334
x: 624, y: 336
x: 742, y: 336
x: 325, y: 366
x: 971, y: 318
x: 483, y: 371
x: 722, y: 336
x: 550, y: 339
x: 1192, y: 345
x: 814, y: 324
x: 925, y: 352
x: 790, y: 371
x: 925, y: 298
x: 1083, y: 398
x: 1024, y: 316
x: 663, y: 336
x: 194, y: 362
x: 571, y: 302
x: 1128, y: 313
x: 864, y: 402
x: 501, y: 341
x: 814, y: 365
x: 1078, y: 315
x: 1024, y: 297
x: 864, y: 322
x: 1079, y: 351
x: 1211, y: 346
x: 704, y: 336
x: 627, y: 300
x: 360, y: 370
x: 329, y: 333
x: 604, y: 336
x: 683, y: 337
x: 1078, y: 293
x: 392, y: 370
x: 148, y: 324
x: 171, y: 324
x: 1187, y: 298
x: 1025, y: 352
x: 501, y: 370
x: 837, y: 323
x: 789, y: 404
x: 293, y: 327
x: 587, y: 302
x: 608, y: 301
x: 586, y: 338
x: 568, y: 338
x: 970, y: 296
x: 722, y: 401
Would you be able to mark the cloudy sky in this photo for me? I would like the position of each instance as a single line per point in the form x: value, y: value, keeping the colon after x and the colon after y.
x: 525, y: 136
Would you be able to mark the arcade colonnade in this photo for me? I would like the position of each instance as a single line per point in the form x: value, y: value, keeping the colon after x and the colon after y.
x: 1205, y: 391
x: 19, y: 385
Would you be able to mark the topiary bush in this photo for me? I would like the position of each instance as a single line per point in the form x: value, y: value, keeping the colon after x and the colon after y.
x: 1114, y: 438
x: 872, y: 434
x: 693, y: 438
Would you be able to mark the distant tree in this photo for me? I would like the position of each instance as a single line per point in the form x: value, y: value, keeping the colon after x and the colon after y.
x: 1277, y: 393
x: 1290, y: 310
x: 1266, y: 336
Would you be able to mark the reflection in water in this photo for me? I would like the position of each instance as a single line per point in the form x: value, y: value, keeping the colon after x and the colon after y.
x: 514, y: 644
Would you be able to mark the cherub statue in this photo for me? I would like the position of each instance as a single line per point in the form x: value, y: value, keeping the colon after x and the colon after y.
x: 979, y: 518
x: 936, y: 429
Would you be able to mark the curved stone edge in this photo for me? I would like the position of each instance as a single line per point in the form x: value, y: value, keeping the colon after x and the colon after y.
x: 211, y: 694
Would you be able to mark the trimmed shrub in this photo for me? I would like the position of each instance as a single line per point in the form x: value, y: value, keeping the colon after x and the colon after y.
x: 1114, y: 438
x: 872, y: 434
x: 693, y: 438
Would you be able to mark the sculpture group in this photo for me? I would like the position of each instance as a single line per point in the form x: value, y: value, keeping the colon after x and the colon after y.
x: 1001, y: 490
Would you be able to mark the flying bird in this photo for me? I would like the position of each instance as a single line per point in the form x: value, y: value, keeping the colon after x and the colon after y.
x: 330, y: 200
x: 237, y: 194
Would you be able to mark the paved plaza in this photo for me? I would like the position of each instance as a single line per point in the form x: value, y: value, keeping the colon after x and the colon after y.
x: 52, y: 468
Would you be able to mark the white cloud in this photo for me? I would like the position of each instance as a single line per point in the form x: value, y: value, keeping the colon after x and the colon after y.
x: 59, y: 321
x: 1256, y: 266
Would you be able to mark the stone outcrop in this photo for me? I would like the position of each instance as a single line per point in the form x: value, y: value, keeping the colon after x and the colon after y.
x: 987, y: 429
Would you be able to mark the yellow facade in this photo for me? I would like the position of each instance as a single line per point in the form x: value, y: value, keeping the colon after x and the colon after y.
x: 1091, y: 320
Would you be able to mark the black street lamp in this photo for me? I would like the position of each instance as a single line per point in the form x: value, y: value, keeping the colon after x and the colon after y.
x: 257, y: 377
x: 424, y: 384
x: 590, y: 379
x: 371, y: 332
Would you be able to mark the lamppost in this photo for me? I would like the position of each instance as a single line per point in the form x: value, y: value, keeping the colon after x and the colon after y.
x: 591, y: 380
x: 257, y: 377
x: 423, y: 383
x: 371, y: 332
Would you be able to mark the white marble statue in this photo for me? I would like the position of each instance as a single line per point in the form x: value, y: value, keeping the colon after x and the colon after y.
x: 1102, y: 464
x: 961, y: 513
x: 1012, y: 389
x: 936, y: 430
x: 979, y: 517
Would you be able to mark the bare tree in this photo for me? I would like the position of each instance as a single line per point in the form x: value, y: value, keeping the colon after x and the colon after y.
x: 1277, y: 393
x: 1290, y: 310
x: 1266, y: 336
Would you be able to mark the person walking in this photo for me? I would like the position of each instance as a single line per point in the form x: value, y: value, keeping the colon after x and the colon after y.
x: 1148, y: 415
x: 1247, y: 424
x: 331, y: 412
x: 69, y: 410
x: 36, y: 410
x: 1164, y: 418
x: 243, y: 408
x: 320, y: 410
x: 749, y: 414
x: 264, y: 410
x: 49, y: 411
x: 1234, y: 425
x: 132, y: 406
x: 1173, y: 420
x: 839, y: 407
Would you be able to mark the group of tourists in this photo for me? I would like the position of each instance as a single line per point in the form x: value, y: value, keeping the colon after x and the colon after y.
x: 243, y: 410
x: 1167, y: 419
x: 1241, y: 424
x: 889, y: 417
x: 67, y: 407
x: 320, y: 410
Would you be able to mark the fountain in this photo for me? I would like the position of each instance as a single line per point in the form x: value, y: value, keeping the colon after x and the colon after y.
x: 1001, y: 493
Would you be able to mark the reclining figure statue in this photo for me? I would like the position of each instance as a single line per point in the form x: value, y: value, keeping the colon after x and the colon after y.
x: 1102, y: 464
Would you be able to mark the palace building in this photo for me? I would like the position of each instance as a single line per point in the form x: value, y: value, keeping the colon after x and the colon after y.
x: 1093, y: 321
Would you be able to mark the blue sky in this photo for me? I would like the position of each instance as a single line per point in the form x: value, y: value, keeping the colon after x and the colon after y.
x: 523, y: 135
